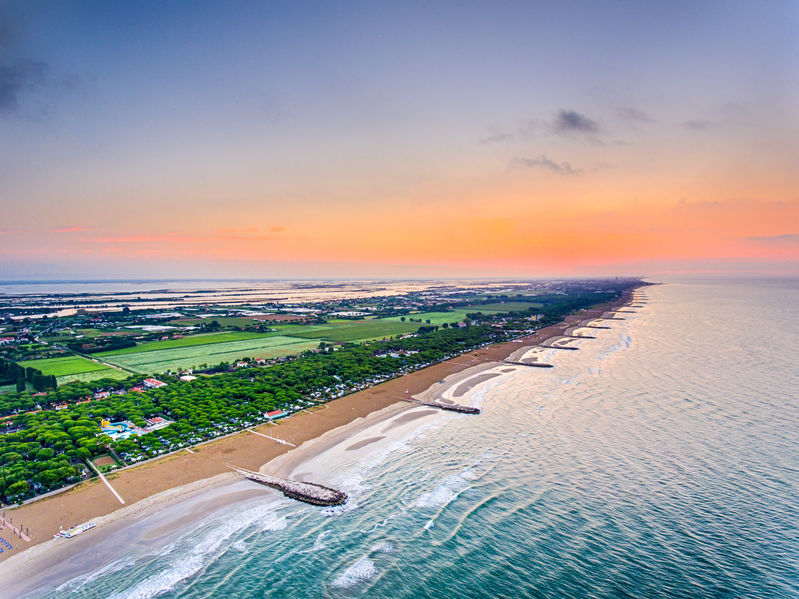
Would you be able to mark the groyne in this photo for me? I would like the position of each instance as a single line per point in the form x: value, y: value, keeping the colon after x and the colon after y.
x: 304, y: 491
x: 453, y: 407
x: 533, y: 364
x: 560, y: 347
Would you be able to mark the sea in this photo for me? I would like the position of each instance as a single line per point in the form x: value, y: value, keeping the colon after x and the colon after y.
x: 659, y: 460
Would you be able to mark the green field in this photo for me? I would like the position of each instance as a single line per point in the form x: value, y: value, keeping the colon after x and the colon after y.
x: 439, y: 318
x: 74, y: 368
x: 189, y: 341
x: 64, y: 366
x: 344, y: 331
x: 160, y: 360
x: 86, y: 377
x: 505, y: 307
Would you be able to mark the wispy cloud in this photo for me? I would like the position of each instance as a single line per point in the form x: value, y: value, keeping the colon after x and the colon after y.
x: 571, y: 121
x: 567, y: 123
x: 634, y: 115
x: 16, y: 78
x: 132, y: 238
x: 543, y: 162
x: 784, y: 239
x: 698, y: 125
x: 76, y: 229
x: 684, y: 203
x: 497, y: 137
x: 246, y: 234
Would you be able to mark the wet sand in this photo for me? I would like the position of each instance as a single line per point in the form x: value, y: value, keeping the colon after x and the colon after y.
x: 468, y: 385
x: 365, y: 442
x: 185, y: 476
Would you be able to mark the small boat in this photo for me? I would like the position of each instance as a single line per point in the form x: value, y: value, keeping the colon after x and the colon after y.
x: 73, y: 532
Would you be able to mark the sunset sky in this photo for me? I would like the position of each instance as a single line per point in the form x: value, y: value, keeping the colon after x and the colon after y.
x: 296, y: 139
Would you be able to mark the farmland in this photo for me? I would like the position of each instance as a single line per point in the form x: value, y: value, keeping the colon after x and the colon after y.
x: 436, y: 318
x: 505, y: 307
x: 160, y: 360
x: 87, y: 377
x: 64, y: 366
x: 188, y: 341
x: 223, y: 321
x: 345, y: 331
x: 74, y: 368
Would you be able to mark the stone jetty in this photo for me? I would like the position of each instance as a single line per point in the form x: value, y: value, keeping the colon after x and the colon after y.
x: 452, y: 407
x: 560, y: 347
x: 301, y: 491
x: 533, y: 364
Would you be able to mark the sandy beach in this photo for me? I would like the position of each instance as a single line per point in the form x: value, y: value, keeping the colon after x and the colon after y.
x: 190, y: 483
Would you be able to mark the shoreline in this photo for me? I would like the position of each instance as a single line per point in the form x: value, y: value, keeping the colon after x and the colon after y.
x: 187, y: 476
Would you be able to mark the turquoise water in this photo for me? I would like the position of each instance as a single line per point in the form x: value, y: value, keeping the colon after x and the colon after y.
x: 660, y: 460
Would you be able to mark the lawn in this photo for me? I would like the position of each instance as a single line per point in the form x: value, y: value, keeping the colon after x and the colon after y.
x: 188, y: 341
x: 64, y: 366
x: 161, y: 360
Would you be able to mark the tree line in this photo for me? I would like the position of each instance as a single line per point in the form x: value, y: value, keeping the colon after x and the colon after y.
x: 12, y: 373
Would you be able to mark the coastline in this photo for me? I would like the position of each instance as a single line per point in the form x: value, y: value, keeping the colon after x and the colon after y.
x: 198, y: 477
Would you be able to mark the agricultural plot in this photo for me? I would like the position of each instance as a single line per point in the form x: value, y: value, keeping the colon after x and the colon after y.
x: 161, y: 360
x: 505, y: 307
x: 64, y: 366
x: 224, y: 321
x: 345, y: 331
x: 74, y: 368
x: 96, y: 375
x: 439, y: 318
x: 189, y: 341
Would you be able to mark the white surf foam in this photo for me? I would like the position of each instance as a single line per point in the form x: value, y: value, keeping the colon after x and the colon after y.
x: 383, y: 548
x: 196, y: 551
x: 362, y: 570
x: 438, y: 497
x: 240, y: 546
x: 80, y: 581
